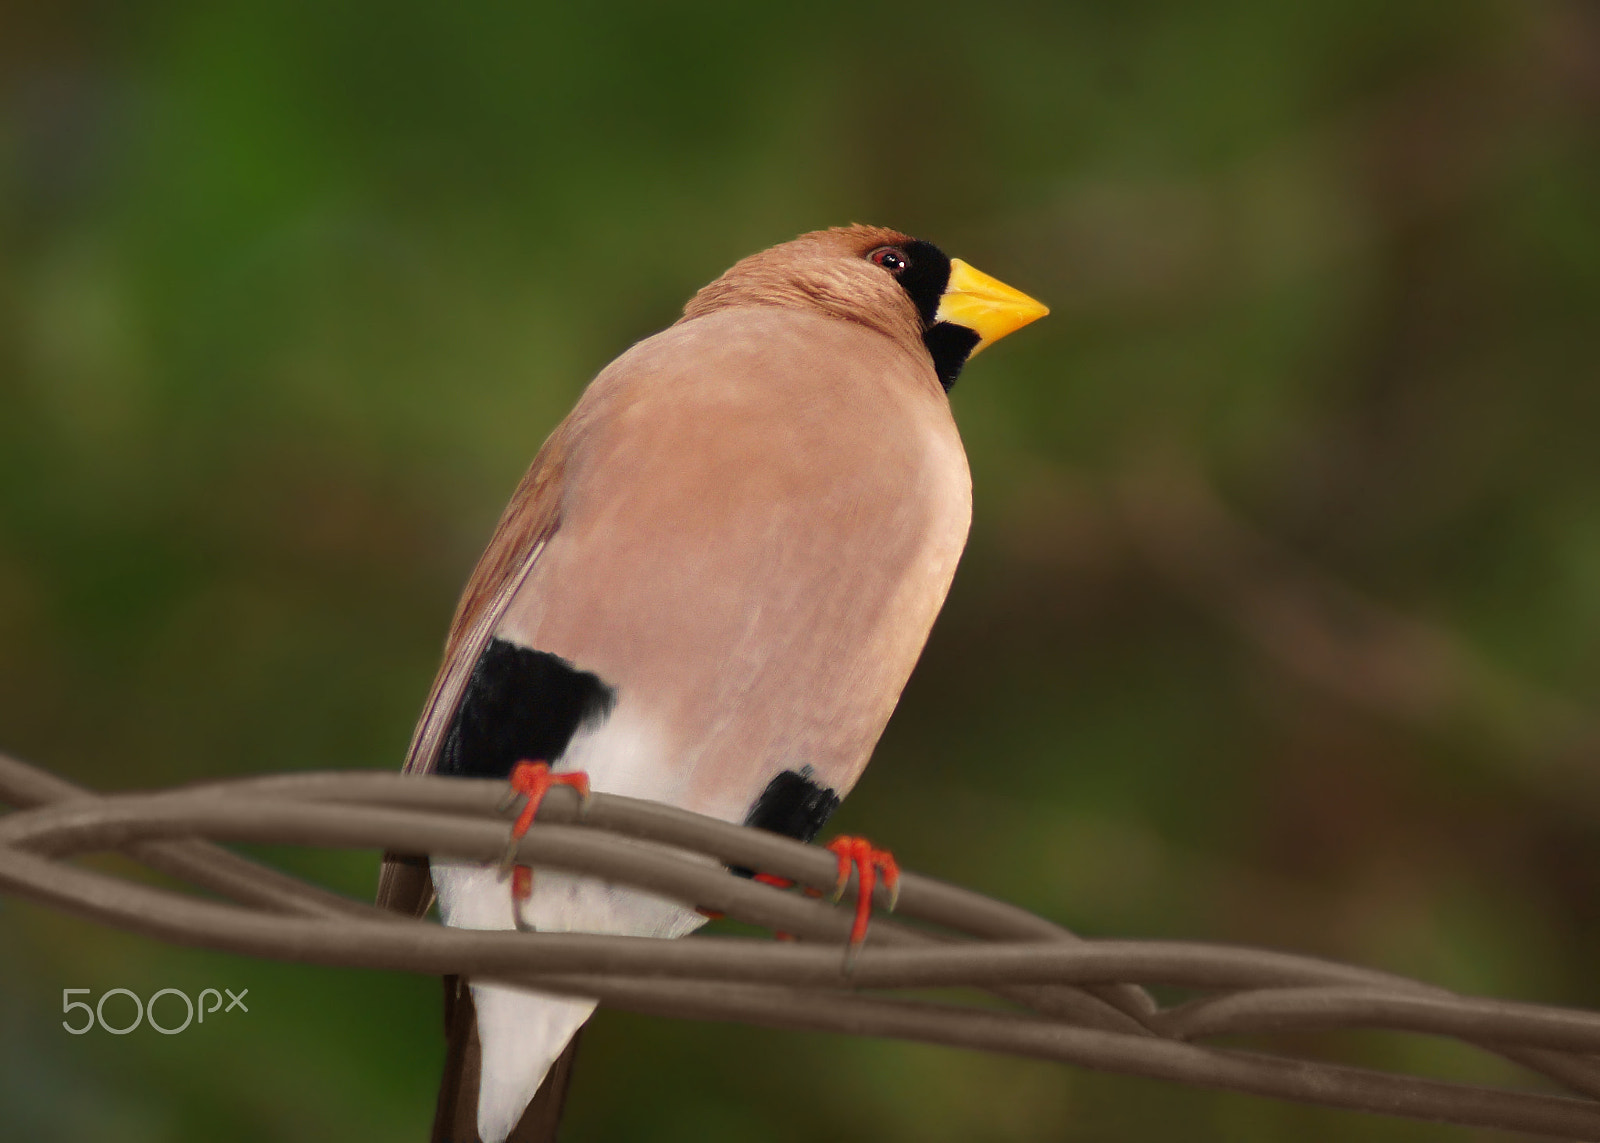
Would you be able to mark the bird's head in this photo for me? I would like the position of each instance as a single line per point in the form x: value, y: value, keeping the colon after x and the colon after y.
x: 902, y: 286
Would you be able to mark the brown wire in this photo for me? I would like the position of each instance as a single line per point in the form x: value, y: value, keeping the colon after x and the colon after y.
x: 1077, y: 1001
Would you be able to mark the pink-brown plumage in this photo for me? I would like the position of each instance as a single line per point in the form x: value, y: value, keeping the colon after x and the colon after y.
x: 746, y: 528
x: 754, y: 557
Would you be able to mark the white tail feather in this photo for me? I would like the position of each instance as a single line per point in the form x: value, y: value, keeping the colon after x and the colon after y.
x: 522, y: 1032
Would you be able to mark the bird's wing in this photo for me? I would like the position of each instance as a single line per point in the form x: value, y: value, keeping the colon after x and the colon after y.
x: 527, y: 524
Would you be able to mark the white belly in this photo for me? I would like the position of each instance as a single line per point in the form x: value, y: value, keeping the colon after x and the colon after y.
x: 523, y: 1032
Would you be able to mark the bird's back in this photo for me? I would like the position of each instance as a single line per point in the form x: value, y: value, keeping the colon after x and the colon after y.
x: 758, y: 516
x: 758, y: 505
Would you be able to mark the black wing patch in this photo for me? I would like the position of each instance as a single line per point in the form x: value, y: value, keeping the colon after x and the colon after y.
x: 793, y: 805
x: 520, y: 705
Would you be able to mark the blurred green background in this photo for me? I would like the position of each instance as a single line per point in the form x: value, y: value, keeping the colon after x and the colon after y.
x: 1280, y: 622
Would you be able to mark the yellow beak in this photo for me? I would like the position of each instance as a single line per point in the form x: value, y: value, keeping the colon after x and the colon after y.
x: 987, y: 306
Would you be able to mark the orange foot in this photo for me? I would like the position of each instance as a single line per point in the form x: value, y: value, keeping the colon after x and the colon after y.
x: 858, y: 853
x: 532, y: 780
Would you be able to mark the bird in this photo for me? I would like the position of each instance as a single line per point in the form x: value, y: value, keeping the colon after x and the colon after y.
x: 709, y: 590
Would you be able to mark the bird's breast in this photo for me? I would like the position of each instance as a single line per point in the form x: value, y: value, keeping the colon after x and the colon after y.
x: 756, y: 536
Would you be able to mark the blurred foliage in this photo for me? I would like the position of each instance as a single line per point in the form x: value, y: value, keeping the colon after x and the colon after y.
x: 1281, y: 617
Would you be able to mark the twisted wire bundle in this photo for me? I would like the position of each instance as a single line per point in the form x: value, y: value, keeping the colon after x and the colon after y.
x: 1076, y: 1001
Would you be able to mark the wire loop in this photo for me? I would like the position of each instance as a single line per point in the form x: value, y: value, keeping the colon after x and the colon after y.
x: 1080, y: 1002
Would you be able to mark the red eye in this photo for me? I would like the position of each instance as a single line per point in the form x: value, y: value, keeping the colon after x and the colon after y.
x: 890, y: 258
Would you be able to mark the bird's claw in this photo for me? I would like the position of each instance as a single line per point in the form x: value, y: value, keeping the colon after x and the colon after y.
x: 531, y: 781
x: 859, y: 854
